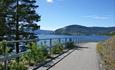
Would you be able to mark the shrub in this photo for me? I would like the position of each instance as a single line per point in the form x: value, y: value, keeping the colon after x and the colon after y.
x: 13, y: 65
x: 45, y: 51
x: 1, y: 67
x: 57, y: 48
x: 36, y: 54
x: 70, y: 45
x: 2, y: 47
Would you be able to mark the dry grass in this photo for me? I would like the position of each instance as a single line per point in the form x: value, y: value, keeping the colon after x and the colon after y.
x: 107, y: 52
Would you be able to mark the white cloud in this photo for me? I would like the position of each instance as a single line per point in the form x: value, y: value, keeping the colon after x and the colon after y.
x: 49, y: 1
x: 101, y: 17
x: 96, y: 17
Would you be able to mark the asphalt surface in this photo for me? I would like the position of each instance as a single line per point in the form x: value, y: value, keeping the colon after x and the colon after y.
x: 84, y: 58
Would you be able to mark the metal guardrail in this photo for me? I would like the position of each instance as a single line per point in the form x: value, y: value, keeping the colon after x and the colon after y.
x: 48, y: 42
x: 9, y: 56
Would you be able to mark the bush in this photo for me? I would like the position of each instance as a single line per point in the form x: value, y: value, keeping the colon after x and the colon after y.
x: 57, y: 48
x: 1, y: 67
x: 45, y: 51
x: 1, y: 48
x: 36, y: 54
x: 70, y: 45
x: 2, y: 51
x: 13, y: 65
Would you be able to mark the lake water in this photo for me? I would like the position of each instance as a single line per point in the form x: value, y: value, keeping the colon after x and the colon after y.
x: 79, y: 38
x: 46, y: 39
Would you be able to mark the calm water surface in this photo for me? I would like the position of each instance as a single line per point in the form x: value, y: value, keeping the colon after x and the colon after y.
x: 81, y: 38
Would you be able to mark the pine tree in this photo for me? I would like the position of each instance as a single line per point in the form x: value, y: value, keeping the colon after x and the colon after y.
x: 18, y: 15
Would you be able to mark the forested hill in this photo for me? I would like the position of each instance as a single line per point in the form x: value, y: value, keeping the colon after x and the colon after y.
x: 78, y: 29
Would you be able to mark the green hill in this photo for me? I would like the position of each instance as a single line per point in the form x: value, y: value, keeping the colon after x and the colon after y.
x: 78, y: 29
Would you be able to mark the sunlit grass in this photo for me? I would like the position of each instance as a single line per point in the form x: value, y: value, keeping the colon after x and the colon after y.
x: 107, y: 52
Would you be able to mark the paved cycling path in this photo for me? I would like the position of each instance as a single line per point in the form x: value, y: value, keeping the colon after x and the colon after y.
x: 85, y: 58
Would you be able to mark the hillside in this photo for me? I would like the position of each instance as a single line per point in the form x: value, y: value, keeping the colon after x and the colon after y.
x: 78, y: 29
x: 107, y: 53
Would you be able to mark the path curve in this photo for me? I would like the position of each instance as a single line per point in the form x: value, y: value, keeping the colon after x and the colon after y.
x: 83, y: 59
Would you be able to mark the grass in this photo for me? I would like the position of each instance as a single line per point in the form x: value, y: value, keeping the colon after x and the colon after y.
x: 107, y: 52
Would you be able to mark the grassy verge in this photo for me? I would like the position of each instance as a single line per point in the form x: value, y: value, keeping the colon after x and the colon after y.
x: 106, y: 51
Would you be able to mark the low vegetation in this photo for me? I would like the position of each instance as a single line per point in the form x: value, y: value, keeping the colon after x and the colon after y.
x: 35, y: 55
x: 13, y: 65
x: 107, y: 53
x: 1, y: 67
x: 3, y: 49
x: 108, y: 34
x: 70, y: 45
x: 57, y: 48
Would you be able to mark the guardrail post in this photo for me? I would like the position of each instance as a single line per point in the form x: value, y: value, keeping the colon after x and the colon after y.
x: 5, y: 60
x: 73, y: 39
x: 41, y: 43
x: 50, y: 46
x: 50, y: 42
x: 45, y: 42
x: 76, y: 39
x: 70, y: 40
x: 65, y: 40
x: 59, y: 39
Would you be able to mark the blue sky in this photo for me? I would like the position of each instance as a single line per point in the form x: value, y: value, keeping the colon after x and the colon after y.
x: 59, y: 13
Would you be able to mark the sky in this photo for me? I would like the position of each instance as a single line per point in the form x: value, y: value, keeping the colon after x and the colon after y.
x: 60, y: 13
